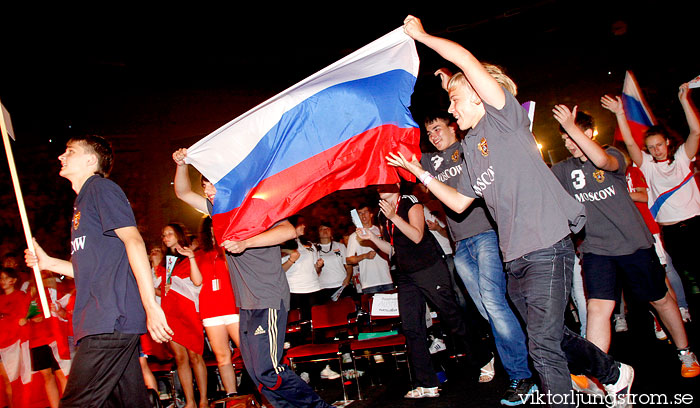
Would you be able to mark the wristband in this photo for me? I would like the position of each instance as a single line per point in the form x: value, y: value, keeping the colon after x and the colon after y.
x: 426, y: 178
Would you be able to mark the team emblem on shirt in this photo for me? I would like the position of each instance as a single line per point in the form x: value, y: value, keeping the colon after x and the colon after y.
x: 599, y: 176
x: 455, y: 156
x: 76, y: 220
x: 483, y: 147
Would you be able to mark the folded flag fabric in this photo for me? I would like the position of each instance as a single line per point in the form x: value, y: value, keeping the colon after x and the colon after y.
x: 637, y: 112
x: 329, y: 132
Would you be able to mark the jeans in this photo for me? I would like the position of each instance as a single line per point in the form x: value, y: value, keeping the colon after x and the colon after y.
x: 539, y: 284
x: 478, y: 262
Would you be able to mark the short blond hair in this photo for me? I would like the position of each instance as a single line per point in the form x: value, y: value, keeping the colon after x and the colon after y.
x: 500, y: 76
x: 459, y: 79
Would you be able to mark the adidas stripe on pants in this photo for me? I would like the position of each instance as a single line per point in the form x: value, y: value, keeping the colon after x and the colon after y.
x: 262, y: 338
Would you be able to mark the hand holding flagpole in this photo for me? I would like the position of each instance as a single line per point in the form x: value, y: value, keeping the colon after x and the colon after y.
x: 6, y: 127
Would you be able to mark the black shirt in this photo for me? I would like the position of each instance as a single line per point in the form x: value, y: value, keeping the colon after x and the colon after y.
x: 410, y: 257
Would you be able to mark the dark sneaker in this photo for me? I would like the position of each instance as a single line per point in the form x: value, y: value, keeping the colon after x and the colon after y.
x: 519, y: 392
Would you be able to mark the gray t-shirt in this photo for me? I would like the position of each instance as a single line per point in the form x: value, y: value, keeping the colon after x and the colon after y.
x: 530, y: 207
x: 614, y: 225
x: 259, y: 282
x: 448, y: 167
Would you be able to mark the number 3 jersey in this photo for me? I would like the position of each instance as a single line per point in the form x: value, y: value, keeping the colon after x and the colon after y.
x: 614, y: 225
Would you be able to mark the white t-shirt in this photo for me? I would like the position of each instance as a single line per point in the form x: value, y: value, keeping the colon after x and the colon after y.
x: 373, y: 272
x: 441, y: 239
x: 662, y: 177
x: 302, y: 276
x: 333, y: 273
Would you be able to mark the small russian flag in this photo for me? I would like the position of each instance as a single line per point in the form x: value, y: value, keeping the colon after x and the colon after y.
x: 639, y: 116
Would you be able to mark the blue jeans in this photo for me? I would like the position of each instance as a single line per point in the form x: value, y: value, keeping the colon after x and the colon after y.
x: 539, y: 284
x: 478, y: 262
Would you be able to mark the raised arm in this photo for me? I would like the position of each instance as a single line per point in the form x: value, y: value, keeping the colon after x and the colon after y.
x: 183, y: 187
x: 593, y: 151
x: 483, y: 83
x: 691, y: 115
x: 449, y: 196
x: 195, y: 273
x: 615, y: 106
x: 141, y: 267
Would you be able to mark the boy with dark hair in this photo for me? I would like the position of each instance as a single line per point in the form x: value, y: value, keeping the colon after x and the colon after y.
x: 115, y: 299
x: 617, y: 245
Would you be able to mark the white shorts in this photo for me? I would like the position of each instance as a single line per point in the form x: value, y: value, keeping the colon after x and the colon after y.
x: 221, y: 320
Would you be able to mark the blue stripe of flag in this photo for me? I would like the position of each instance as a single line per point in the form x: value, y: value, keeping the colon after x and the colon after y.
x: 634, y: 110
x: 317, y: 124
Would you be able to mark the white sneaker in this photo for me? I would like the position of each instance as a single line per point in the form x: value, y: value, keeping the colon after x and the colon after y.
x: 305, y: 377
x: 328, y: 374
x: 421, y: 392
x: 620, y: 323
x: 621, y: 389
x: 658, y: 330
x: 437, y: 346
x: 685, y: 314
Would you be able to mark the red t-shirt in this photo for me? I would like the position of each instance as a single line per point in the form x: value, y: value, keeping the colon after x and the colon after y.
x: 13, y: 307
x: 216, y: 297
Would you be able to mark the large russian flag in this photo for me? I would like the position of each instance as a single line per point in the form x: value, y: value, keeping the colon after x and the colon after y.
x: 639, y: 116
x: 329, y: 132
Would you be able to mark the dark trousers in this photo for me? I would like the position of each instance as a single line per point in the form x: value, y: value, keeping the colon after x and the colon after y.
x: 680, y: 240
x: 434, y: 284
x: 539, y: 284
x: 262, y: 339
x: 106, y: 373
x: 304, y: 302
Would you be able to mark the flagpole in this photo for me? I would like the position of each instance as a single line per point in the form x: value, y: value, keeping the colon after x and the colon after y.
x: 23, y: 215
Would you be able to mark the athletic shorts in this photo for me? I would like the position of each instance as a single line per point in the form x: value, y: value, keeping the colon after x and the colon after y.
x: 42, y: 358
x: 640, y: 274
x: 220, y: 320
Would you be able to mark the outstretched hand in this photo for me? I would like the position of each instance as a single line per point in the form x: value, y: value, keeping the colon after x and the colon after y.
x: 365, y: 234
x: 613, y: 105
x: 445, y: 76
x: 185, y: 251
x: 398, y: 160
x: 564, y: 116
